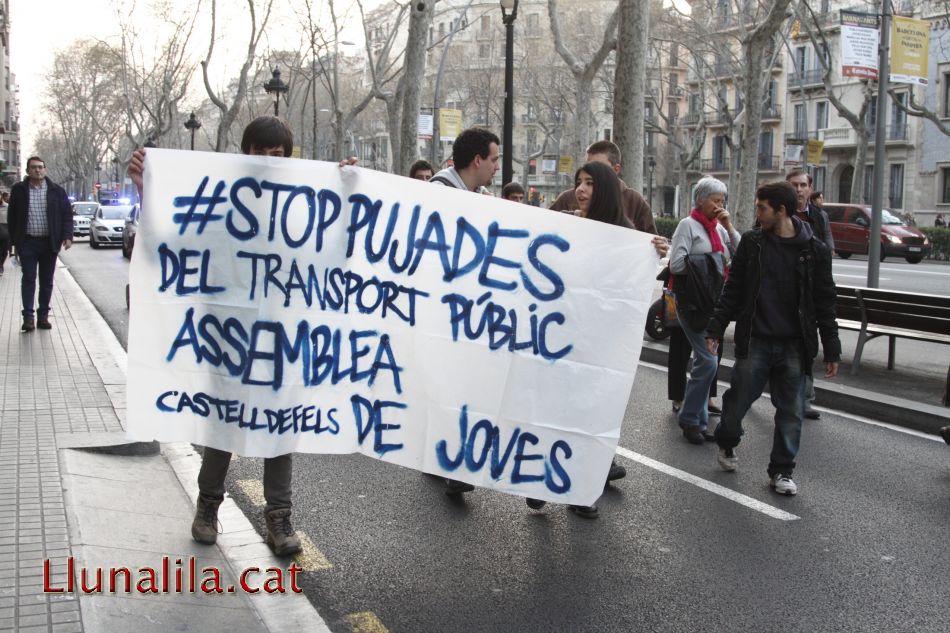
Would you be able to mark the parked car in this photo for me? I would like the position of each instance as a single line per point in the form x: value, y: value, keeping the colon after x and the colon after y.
x: 851, y: 228
x: 129, y: 230
x: 83, y: 213
x: 106, y: 227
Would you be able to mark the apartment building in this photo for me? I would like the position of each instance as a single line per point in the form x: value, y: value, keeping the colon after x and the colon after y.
x: 9, y: 117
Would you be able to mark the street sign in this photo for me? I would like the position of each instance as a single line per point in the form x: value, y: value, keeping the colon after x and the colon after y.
x: 98, y: 185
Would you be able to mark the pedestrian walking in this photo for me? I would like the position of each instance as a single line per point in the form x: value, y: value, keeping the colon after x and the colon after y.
x: 264, y: 136
x: 939, y: 221
x: 781, y: 294
x: 40, y: 220
x: 703, y: 246
x: 4, y: 230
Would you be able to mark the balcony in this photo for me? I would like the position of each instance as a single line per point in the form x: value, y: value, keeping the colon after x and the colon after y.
x: 811, y: 78
x: 770, y: 163
x: 714, y: 165
x: 846, y: 136
x: 690, y: 118
x: 676, y: 92
x: 772, y: 112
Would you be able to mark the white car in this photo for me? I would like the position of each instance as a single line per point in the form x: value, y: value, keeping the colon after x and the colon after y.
x: 83, y: 212
x: 106, y: 226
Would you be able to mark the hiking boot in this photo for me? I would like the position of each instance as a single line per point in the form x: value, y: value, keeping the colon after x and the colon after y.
x: 728, y: 460
x: 783, y: 484
x: 204, y: 528
x: 453, y: 487
x: 616, y: 471
x: 280, y: 532
x: 693, y: 435
x: 44, y: 324
x: 28, y: 325
x: 534, y: 504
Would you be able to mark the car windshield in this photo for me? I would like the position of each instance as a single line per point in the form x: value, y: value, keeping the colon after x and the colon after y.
x: 116, y: 212
x: 888, y: 217
x: 87, y: 209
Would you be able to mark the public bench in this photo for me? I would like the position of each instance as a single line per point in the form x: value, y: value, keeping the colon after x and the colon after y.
x: 873, y: 312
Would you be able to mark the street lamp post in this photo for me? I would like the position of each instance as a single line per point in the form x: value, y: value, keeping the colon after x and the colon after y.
x: 509, y: 12
x: 192, y: 125
x: 277, y: 87
x: 115, y: 173
x: 651, y: 163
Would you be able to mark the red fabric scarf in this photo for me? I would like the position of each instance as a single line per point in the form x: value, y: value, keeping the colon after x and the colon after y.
x: 711, y: 230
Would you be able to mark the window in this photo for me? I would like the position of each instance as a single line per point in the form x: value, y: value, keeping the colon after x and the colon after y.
x: 608, y: 134
x: 898, y: 117
x: 868, y: 180
x: 484, y: 51
x: 651, y: 140
x: 821, y: 115
x: 673, y: 111
x: 674, y: 83
x: 770, y: 96
x: 719, y: 152
x: 818, y: 178
x: 825, y: 54
x: 870, y: 119
x: 945, y: 181
x: 531, y: 139
x: 485, y: 24
x: 532, y: 27
x: 799, y: 120
x: 441, y: 30
x: 801, y: 56
x: 766, y: 141
x: 895, y: 188
x: 674, y: 54
x: 946, y: 95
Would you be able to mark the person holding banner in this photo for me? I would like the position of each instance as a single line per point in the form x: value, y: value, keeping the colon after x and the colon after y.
x: 703, y: 245
x: 598, y: 194
x: 264, y: 136
x: 421, y: 170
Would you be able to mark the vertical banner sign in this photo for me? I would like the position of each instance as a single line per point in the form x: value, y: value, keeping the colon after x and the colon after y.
x: 565, y: 165
x: 815, y: 148
x: 859, y: 42
x: 425, y: 126
x: 793, y: 155
x: 910, y: 39
x: 450, y: 124
x: 282, y: 305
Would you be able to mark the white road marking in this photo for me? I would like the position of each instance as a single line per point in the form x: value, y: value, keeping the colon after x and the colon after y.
x: 910, y: 271
x: 722, y: 491
x: 860, y: 276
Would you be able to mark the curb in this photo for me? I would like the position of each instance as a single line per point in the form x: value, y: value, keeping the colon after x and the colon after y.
x: 240, y: 544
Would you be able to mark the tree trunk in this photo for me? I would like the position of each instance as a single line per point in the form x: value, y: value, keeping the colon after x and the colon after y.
x: 860, y: 160
x: 633, y: 34
x: 413, y: 69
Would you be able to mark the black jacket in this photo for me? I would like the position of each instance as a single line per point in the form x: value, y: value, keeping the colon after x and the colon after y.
x: 59, y: 213
x: 816, y: 298
x: 820, y: 224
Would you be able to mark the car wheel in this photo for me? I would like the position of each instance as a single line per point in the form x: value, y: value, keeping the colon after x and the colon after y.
x: 844, y: 255
x: 126, y: 251
x: 92, y: 242
x: 883, y: 254
x: 913, y: 260
x: 655, y: 327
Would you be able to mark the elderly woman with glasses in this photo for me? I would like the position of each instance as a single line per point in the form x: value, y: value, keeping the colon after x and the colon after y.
x: 703, y: 244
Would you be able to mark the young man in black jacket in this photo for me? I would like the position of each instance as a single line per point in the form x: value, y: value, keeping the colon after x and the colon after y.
x: 781, y: 294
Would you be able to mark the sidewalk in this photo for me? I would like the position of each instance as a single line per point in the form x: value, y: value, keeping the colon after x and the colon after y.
x: 75, y: 494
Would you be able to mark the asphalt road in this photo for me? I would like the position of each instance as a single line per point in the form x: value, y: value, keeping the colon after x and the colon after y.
x: 925, y: 277
x: 865, y: 551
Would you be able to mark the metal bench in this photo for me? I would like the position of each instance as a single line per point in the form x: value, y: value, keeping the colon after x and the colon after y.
x: 873, y: 312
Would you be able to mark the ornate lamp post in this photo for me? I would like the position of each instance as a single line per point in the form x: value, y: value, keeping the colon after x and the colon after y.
x: 192, y: 125
x: 509, y: 12
x: 276, y: 87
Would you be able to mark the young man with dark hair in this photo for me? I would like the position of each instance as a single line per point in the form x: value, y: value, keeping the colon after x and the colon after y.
x: 40, y: 220
x: 421, y: 170
x: 264, y: 136
x: 781, y: 294
x: 475, y: 161
x: 513, y: 191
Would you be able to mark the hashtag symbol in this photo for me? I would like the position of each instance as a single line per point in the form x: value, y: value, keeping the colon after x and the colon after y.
x: 192, y: 215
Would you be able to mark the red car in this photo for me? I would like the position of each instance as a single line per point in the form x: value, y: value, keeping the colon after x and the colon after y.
x: 851, y: 228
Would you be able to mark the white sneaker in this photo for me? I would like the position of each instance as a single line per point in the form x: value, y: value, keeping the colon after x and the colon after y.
x: 728, y: 460
x: 783, y: 484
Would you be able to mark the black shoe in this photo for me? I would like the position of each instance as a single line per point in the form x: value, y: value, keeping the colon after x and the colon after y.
x: 453, y: 487
x: 43, y: 324
x: 713, y: 409
x: 811, y: 414
x: 616, y: 471
x: 585, y: 512
x: 28, y: 325
x: 693, y: 434
x: 709, y: 436
x: 535, y: 504
x: 676, y: 407
x: 945, y: 434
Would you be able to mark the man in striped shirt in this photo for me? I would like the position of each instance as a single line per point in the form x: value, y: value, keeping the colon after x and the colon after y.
x: 41, y: 222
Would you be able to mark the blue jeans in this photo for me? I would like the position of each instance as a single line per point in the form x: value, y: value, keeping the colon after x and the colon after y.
x: 701, y: 376
x: 778, y: 361
x: 36, y: 253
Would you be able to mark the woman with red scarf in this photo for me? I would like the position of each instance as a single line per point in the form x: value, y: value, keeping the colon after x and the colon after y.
x: 707, y: 231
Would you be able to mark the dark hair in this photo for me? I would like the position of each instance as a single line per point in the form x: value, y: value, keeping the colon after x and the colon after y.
x: 420, y: 165
x: 779, y: 194
x: 798, y: 172
x: 510, y: 188
x: 265, y: 132
x: 815, y: 196
x: 474, y: 141
x: 32, y: 158
x: 606, y: 147
x: 605, y: 203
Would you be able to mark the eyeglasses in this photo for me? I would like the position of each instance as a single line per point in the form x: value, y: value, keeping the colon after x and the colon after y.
x: 37, y: 167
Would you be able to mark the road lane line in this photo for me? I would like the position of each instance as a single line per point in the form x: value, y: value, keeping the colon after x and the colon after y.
x: 896, y: 270
x: 254, y: 490
x: 365, y: 622
x: 722, y: 491
x: 860, y: 276
x: 310, y: 558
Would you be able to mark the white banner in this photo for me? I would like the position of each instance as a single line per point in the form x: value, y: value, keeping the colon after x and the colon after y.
x: 859, y: 44
x: 282, y: 305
